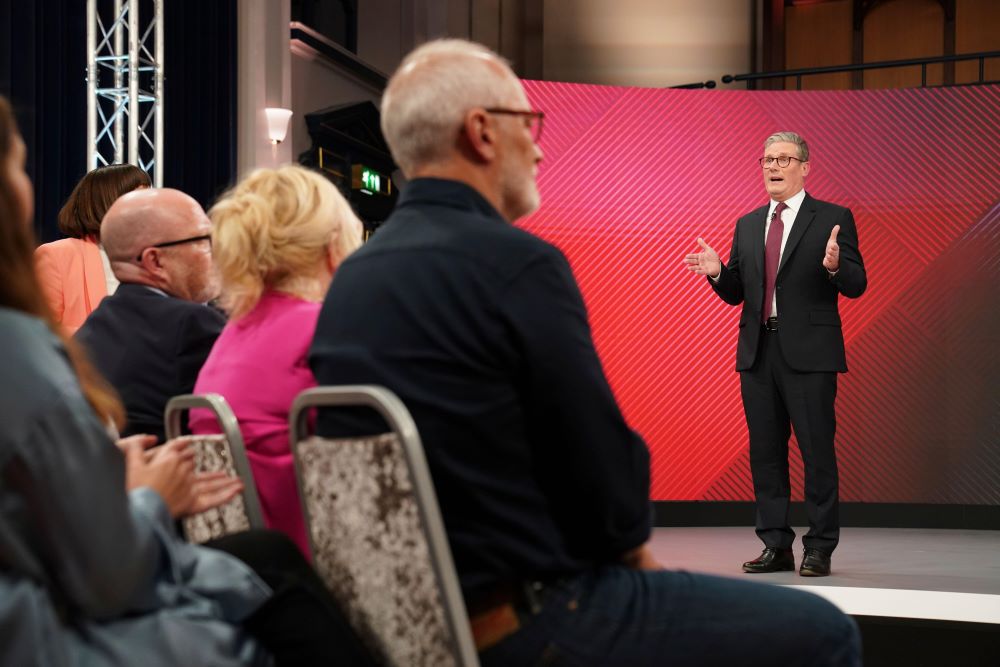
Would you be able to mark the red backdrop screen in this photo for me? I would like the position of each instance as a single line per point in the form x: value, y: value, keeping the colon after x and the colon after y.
x: 632, y: 176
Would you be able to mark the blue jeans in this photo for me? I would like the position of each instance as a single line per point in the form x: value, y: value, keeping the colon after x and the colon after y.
x: 618, y: 616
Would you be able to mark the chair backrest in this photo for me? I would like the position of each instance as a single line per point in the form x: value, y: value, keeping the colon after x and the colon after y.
x: 376, y: 532
x: 226, y: 452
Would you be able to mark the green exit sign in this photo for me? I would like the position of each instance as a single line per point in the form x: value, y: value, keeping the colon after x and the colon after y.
x: 370, y: 182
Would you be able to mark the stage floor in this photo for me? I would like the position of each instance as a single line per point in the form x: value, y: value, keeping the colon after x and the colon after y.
x: 951, y: 575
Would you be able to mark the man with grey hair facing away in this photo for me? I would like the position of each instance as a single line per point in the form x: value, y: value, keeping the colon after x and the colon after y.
x: 481, y: 330
x: 795, y: 255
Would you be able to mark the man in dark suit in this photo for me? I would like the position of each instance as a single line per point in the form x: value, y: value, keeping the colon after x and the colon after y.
x: 151, y: 337
x: 481, y: 330
x: 790, y: 262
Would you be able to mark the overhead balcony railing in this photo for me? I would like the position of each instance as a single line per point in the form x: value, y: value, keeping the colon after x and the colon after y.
x: 697, y: 85
x: 982, y: 57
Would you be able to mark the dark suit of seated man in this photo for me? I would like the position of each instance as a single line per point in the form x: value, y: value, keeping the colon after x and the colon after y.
x: 481, y: 330
x: 151, y: 337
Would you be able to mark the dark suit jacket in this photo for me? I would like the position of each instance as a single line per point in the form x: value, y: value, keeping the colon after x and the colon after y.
x: 150, y: 347
x: 809, y: 331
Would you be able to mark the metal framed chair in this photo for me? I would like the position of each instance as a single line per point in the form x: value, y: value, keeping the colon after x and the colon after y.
x: 376, y: 533
x: 226, y: 452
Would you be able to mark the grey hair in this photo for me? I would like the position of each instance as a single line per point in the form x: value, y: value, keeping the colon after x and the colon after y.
x: 792, y: 138
x: 426, y: 100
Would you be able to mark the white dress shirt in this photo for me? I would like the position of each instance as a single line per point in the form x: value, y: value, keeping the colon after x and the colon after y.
x: 109, y: 275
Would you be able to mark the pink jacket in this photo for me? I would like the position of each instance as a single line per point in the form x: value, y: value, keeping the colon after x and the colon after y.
x: 72, y: 277
x: 259, y: 364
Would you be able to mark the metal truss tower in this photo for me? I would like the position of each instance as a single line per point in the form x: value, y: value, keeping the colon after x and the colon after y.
x: 125, y: 86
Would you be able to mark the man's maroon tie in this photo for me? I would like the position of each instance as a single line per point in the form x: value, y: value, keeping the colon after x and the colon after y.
x: 772, y: 255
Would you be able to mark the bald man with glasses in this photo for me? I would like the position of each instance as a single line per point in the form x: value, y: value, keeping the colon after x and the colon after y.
x: 790, y: 262
x: 152, y: 336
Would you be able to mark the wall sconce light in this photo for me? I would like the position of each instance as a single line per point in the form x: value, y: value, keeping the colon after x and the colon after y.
x: 277, y: 124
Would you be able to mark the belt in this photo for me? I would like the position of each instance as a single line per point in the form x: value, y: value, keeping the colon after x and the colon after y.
x: 771, y: 324
x: 496, y: 614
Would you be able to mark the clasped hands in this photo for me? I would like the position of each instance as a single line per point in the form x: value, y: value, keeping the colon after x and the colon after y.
x: 707, y: 262
x: 169, y: 470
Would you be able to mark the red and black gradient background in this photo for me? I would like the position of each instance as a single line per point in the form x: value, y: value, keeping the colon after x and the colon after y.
x: 632, y: 176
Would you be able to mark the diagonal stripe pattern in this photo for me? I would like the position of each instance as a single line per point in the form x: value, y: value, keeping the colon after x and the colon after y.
x: 633, y: 175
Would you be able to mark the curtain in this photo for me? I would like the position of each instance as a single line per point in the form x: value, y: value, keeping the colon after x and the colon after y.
x: 43, y: 63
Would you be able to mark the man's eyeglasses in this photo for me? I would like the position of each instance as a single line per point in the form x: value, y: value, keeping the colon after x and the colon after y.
x: 783, y: 161
x: 533, y: 118
x: 167, y: 244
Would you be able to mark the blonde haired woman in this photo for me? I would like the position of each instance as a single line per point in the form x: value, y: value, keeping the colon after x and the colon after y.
x: 278, y: 238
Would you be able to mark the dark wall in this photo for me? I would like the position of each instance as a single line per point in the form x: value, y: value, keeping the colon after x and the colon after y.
x: 42, y: 71
x: 200, y: 93
x: 42, y: 68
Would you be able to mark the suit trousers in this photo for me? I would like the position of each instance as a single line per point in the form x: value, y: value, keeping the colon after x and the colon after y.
x: 777, y: 399
x: 618, y: 617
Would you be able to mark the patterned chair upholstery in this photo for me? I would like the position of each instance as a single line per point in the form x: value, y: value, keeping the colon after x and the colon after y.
x: 219, y: 452
x: 376, y: 533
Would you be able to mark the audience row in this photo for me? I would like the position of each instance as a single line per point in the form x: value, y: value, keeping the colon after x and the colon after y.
x: 478, y: 326
x: 92, y: 570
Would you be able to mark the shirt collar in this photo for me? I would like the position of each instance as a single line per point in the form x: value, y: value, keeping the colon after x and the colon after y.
x: 794, y: 203
x: 156, y: 290
x: 444, y: 192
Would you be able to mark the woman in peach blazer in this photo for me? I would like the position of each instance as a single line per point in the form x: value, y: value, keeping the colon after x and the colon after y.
x: 74, y: 272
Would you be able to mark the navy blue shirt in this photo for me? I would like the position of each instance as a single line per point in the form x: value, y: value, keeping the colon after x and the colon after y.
x: 480, y: 329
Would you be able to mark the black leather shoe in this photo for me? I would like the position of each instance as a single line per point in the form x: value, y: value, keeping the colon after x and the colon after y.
x: 771, y: 559
x: 815, y: 563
